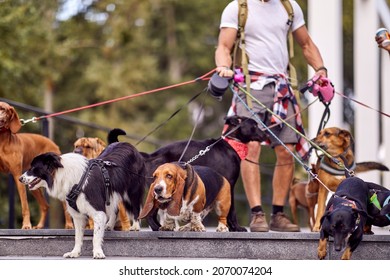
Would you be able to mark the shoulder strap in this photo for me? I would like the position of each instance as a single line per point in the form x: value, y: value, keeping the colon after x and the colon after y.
x: 240, y: 57
x: 291, y: 69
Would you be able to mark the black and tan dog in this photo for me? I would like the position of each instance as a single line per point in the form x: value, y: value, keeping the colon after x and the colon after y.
x: 345, y: 218
x: 218, y: 155
x: 186, y: 194
x: 338, y: 143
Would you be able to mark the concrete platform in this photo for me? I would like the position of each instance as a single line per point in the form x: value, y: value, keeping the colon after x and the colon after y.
x: 49, y: 243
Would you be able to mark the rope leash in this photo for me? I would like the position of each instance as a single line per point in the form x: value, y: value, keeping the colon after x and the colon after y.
x: 268, y: 129
x: 339, y: 163
x: 208, y: 148
x: 35, y: 119
x: 170, y: 117
x: 364, y: 105
x: 305, y: 166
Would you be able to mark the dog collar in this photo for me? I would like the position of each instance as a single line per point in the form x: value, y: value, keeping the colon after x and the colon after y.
x: 240, y: 148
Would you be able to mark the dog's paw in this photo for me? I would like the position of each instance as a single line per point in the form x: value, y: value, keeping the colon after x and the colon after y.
x: 27, y: 226
x: 222, y: 228
x: 321, y: 254
x: 166, y: 228
x: 72, y: 254
x: 198, y: 228
x: 69, y: 226
x: 99, y: 255
x: 316, y: 229
x: 135, y: 227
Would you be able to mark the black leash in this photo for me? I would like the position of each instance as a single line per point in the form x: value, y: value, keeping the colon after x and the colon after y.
x: 167, y: 120
x: 325, y: 117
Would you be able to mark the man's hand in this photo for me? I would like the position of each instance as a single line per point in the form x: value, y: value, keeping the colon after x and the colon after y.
x: 224, y: 71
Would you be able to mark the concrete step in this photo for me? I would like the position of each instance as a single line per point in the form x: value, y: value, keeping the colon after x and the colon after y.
x: 49, y: 243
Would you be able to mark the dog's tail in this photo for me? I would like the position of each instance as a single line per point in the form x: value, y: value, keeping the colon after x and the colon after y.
x: 112, y: 136
x: 370, y: 165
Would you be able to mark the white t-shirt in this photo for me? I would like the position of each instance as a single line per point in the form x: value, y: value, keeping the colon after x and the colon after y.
x: 266, y: 32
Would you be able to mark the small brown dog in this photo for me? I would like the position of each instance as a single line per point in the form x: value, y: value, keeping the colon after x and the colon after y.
x: 338, y: 143
x: 17, y: 150
x: 91, y: 147
x: 304, y: 194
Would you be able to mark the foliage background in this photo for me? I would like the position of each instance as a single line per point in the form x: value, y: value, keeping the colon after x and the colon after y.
x: 113, y: 48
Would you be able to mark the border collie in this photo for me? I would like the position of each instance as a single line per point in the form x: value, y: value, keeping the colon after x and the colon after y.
x: 92, y: 188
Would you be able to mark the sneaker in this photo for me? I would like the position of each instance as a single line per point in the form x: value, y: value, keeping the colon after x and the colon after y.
x: 258, y: 222
x: 279, y: 222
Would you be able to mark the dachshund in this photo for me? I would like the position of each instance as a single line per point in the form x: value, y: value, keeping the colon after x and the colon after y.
x: 345, y: 218
x: 338, y: 143
x: 17, y: 150
x: 92, y: 188
x: 187, y: 194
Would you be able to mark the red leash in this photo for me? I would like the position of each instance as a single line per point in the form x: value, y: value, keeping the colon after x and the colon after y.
x: 360, y: 103
x: 201, y: 78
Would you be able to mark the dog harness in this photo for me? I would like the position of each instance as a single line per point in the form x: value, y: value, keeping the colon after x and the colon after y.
x: 374, y: 200
x: 77, y: 188
x: 334, y: 170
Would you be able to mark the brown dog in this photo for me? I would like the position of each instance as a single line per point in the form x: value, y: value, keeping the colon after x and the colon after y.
x: 187, y: 194
x: 17, y: 150
x: 91, y: 147
x: 338, y: 143
x: 304, y: 194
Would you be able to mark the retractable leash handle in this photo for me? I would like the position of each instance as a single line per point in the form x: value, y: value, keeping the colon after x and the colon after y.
x: 218, y: 85
x: 321, y: 87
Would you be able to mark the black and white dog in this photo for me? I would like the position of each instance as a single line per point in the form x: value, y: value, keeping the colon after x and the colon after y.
x: 92, y: 188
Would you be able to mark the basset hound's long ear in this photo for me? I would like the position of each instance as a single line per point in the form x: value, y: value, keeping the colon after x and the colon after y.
x: 14, y: 124
x: 175, y: 205
x: 149, y: 203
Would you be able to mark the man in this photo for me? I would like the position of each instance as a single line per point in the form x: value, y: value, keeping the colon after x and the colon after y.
x: 266, y: 32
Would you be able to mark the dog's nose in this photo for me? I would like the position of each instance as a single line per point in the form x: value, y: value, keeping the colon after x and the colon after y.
x: 158, y: 189
x: 78, y: 150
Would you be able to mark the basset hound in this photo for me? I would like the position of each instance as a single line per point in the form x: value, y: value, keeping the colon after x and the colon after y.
x: 186, y: 194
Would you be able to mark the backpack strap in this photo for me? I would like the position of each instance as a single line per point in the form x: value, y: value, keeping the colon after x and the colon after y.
x: 239, y: 54
x: 291, y: 69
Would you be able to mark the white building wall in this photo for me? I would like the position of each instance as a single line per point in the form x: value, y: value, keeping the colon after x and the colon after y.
x: 366, y: 75
x: 325, y: 28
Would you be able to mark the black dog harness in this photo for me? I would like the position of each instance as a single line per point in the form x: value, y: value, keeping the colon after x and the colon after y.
x: 77, y: 188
